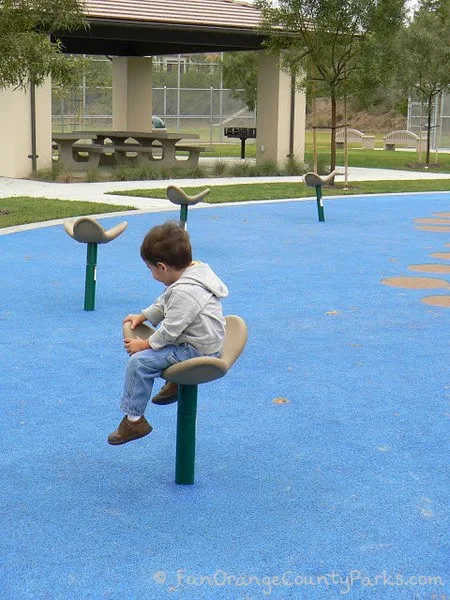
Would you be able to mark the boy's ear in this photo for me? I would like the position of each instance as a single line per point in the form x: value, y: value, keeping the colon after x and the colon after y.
x: 162, y: 266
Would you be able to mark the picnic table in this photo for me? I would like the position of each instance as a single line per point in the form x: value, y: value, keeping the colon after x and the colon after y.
x: 84, y: 150
x: 69, y: 156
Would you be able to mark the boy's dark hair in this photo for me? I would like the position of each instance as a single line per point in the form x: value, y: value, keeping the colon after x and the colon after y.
x: 168, y: 243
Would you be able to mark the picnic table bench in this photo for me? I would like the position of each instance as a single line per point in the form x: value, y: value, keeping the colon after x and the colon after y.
x: 84, y: 150
x: 353, y: 135
x: 68, y: 154
x: 403, y: 137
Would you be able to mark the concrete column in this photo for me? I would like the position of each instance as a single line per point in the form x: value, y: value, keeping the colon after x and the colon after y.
x: 273, y: 120
x: 132, y: 94
x: 15, y: 125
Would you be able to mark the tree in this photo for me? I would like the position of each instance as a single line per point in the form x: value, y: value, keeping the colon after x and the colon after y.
x: 27, y: 52
x: 197, y: 71
x: 343, y: 42
x: 424, y: 71
x: 90, y: 87
x: 240, y: 74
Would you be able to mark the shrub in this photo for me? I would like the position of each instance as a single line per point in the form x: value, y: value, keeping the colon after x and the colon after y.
x: 93, y: 175
x: 241, y: 169
x: 267, y: 168
x: 52, y: 173
x: 219, y: 168
x: 294, y: 167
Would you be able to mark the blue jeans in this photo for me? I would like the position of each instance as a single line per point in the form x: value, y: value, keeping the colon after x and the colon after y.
x: 142, y: 369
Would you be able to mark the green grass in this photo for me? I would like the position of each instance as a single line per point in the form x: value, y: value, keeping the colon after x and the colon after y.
x: 19, y: 211
x: 270, y: 191
x: 376, y: 159
x: 371, y: 159
x: 22, y: 210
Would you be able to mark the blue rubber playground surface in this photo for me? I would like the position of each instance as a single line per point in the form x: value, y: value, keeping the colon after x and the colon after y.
x: 320, y: 469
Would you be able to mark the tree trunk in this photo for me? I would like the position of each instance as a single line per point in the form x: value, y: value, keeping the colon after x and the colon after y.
x: 313, y: 116
x: 333, y: 128
x: 430, y: 110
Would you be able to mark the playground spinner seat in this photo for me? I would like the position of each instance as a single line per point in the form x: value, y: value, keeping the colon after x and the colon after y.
x: 178, y: 196
x: 87, y: 230
x: 188, y: 375
x: 314, y: 180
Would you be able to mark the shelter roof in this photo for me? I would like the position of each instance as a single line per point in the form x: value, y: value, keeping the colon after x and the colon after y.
x: 155, y: 27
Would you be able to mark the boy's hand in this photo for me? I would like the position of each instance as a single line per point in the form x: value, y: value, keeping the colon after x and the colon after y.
x: 133, y: 345
x: 135, y: 320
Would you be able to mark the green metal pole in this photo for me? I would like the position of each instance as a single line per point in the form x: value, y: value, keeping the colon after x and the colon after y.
x: 320, y: 203
x: 91, y: 276
x: 186, y: 423
x: 183, y: 215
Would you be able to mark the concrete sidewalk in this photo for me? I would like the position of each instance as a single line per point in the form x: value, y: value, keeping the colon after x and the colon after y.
x: 100, y: 192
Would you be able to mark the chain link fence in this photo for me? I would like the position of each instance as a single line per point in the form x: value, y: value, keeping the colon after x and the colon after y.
x: 440, y: 120
x: 201, y: 110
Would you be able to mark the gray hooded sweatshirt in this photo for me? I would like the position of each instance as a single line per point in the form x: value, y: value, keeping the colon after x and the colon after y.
x: 190, y: 311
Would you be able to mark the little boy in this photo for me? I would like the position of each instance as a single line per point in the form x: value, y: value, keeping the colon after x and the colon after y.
x: 191, y: 323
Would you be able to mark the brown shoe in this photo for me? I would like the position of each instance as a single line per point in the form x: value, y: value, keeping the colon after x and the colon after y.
x: 167, y: 394
x: 129, y: 430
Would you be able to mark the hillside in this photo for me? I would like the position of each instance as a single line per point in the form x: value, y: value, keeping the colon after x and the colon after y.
x: 376, y: 121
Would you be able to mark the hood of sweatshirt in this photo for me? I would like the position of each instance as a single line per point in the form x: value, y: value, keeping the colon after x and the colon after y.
x: 200, y: 273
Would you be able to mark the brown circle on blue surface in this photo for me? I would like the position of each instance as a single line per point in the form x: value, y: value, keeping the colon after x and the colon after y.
x: 430, y: 268
x: 437, y: 301
x: 416, y: 283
